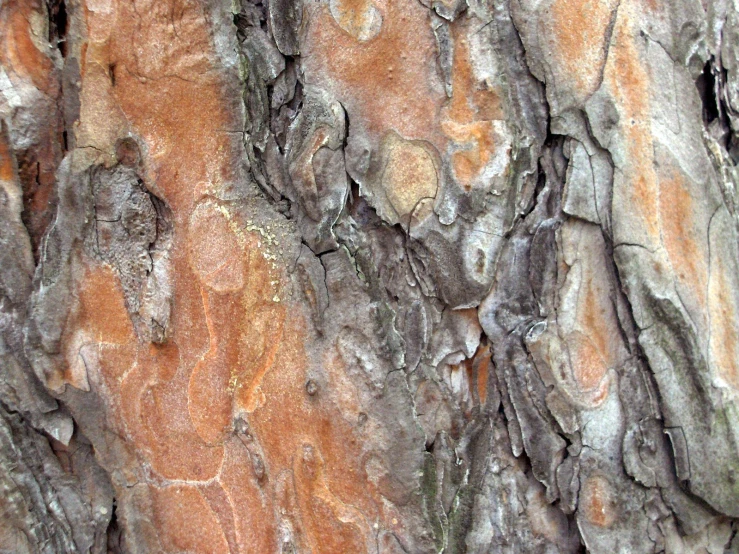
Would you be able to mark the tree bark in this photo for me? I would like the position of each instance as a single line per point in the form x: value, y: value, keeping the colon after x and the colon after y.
x: 382, y: 276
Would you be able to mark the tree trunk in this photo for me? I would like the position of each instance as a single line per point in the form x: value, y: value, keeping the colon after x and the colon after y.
x: 382, y: 276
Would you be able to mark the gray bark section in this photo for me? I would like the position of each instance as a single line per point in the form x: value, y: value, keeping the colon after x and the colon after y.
x: 506, y: 475
x: 55, y: 497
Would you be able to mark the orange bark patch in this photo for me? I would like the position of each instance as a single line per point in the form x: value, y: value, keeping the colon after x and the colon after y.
x: 591, y: 354
x: 724, y: 312
x: 20, y: 53
x: 209, y: 394
x: 186, y: 521
x: 162, y: 84
x: 679, y: 232
x: 337, y: 526
x: 158, y: 75
x: 629, y: 83
x: 597, y: 501
x: 102, y: 308
x: 99, y: 322
x: 167, y: 86
x: 579, y: 28
x: 471, y: 100
x: 388, y: 82
x: 25, y: 55
x: 588, y: 320
x: 235, y: 349
x: 253, y: 511
x: 159, y: 425
x: 7, y: 171
x: 587, y: 361
x: 652, y: 5
x: 467, y: 119
x: 282, y: 431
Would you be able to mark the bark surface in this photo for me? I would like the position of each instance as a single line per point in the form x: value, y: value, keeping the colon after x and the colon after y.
x: 369, y: 276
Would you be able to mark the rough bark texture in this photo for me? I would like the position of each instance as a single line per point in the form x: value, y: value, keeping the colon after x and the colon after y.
x: 383, y: 276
